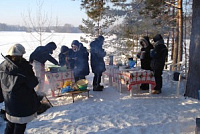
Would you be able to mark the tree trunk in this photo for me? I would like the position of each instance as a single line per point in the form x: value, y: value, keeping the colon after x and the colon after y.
x: 175, y: 51
x: 180, y: 33
x: 193, y: 80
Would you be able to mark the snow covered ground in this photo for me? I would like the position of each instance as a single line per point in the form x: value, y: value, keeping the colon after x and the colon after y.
x: 111, y: 112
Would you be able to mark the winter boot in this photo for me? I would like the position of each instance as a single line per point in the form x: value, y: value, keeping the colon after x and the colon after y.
x: 101, y: 86
x: 97, y: 88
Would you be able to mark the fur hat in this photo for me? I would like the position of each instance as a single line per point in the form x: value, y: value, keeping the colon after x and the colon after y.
x: 146, y: 40
x: 16, y: 50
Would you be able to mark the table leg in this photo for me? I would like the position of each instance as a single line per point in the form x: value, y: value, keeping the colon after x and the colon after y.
x: 150, y: 88
x: 103, y: 78
x: 131, y: 91
x: 178, y: 86
x: 52, y: 93
x: 88, y: 93
x: 73, y: 97
x: 110, y: 81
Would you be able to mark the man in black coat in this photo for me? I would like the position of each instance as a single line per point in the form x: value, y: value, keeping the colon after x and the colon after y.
x: 158, y: 54
x: 97, y: 62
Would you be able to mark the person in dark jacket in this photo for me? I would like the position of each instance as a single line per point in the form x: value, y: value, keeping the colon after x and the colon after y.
x: 70, y: 58
x: 17, y: 85
x: 97, y: 62
x: 145, y: 57
x: 38, y: 58
x: 158, y: 54
x: 80, y: 56
x: 63, y: 56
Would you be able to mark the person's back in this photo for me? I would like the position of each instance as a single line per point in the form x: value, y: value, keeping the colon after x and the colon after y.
x: 97, y: 62
x: 43, y: 53
x: 97, y: 57
x: 17, y: 85
x: 158, y: 54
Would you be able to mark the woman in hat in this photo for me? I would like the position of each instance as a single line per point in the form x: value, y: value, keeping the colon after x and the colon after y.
x: 17, y: 85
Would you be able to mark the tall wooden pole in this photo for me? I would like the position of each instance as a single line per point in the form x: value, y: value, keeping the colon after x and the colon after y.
x: 180, y: 34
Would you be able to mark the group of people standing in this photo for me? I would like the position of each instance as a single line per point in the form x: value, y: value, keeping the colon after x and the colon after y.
x: 77, y: 59
x: 153, y: 58
x: 21, y: 80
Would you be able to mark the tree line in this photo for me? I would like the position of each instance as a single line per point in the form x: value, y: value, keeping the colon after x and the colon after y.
x: 67, y: 28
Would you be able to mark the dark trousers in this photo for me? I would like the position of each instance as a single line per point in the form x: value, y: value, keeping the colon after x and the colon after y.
x: 97, y: 79
x: 79, y: 78
x: 158, y: 79
x: 14, y: 128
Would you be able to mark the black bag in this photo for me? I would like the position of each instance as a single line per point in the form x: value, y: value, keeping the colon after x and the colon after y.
x: 176, y: 76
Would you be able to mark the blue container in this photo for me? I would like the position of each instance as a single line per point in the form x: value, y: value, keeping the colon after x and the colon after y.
x: 131, y: 63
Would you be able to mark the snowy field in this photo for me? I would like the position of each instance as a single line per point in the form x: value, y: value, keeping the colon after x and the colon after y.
x: 110, y: 112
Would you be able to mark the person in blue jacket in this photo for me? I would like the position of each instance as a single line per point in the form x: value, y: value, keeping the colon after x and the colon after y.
x: 97, y: 62
x: 63, y: 56
x: 38, y: 58
x: 80, y: 56
x: 17, y: 88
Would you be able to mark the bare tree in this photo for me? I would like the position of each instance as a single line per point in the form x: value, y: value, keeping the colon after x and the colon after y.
x: 39, y: 24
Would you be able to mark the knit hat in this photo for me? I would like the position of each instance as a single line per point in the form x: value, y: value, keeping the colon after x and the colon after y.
x: 16, y: 50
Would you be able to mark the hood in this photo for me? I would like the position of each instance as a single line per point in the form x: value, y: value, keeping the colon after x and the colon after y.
x: 50, y: 47
x: 158, y: 37
x: 64, y: 49
x: 100, y: 40
x: 8, y: 67
x: 76, y: 43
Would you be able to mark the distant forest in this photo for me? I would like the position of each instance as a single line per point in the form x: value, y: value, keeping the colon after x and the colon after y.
x: 67, y: 28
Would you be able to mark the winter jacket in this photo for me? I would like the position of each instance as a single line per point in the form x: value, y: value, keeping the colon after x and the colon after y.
x: 70, y: 58
x: 63, y: 55
x: 43, y: 53
x: 146, y: 61
x: 17, y: 85
x: 81, y: 66
x: 97, y: 57
x: 158, y: 54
